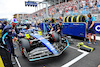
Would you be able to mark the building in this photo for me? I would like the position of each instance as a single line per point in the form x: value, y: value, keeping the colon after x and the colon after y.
x: 21, y: 17
x: 3, y: 19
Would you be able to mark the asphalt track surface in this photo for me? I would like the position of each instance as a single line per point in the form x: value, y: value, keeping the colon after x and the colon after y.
x: 92, y: 59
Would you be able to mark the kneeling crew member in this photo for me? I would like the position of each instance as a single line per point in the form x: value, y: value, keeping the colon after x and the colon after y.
x: 58, y: 28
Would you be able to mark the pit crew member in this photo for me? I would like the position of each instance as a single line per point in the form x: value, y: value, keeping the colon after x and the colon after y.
x: 90, y: 27
x: 7, y: 36
x: 58, y: 28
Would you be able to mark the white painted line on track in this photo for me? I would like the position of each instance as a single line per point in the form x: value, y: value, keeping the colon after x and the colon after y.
x: 17, y: 62
x: 97, y: 37
x: 77, y: 58
x: 73, y: 47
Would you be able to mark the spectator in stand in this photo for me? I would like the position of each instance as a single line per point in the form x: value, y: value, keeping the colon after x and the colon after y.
x: 91, y: 4
x: 60, y: 18
x: 83, y: 2
x: 96, y: 3
x: 94, y: 9
x: 86, y: 6
x: 81, y: 6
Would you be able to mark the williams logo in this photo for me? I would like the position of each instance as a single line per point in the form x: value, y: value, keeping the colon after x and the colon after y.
x: 97, y: 28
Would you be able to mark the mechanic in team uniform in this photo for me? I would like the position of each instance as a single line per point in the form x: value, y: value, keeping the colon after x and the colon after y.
x: 49, y: 26
x: 58, y: 28
x: 57, y: 21
x: 7, y: 36
x: 90, y: 27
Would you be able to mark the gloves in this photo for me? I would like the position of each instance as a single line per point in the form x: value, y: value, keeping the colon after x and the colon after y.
x: 89, y: 29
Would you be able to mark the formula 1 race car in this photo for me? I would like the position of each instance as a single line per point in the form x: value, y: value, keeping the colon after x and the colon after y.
x: 36, y: 47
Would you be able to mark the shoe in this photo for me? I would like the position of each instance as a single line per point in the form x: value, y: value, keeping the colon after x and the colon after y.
x: 15, y: 56
x: 89, y: 43
x: 13, y: 63
x: 95, y: 43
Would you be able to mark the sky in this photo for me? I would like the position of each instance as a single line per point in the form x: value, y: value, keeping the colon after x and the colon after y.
x: 10, y: 7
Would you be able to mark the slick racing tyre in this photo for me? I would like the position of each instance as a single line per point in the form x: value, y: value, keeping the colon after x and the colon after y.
x: 24, y: 43
x: 55, y: 36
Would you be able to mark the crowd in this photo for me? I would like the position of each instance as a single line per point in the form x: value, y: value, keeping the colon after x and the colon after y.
x: 70, y: 8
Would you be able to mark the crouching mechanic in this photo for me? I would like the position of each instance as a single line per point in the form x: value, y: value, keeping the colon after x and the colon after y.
x: 58, y: 28
x: 7, y: 36
x: 91, y: 28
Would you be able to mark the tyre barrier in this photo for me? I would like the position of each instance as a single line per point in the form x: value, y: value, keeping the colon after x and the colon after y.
x: 73, y: 19
x: 79, y: 18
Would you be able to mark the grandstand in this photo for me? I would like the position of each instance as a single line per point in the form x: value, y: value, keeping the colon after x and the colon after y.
x: 69, y: 7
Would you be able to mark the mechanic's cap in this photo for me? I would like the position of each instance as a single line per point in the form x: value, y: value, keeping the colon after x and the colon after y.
x: 14, y: 20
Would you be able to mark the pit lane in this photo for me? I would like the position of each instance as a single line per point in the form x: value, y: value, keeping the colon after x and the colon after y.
x: 89, y: 60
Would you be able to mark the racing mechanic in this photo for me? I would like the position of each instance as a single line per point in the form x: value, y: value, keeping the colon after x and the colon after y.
x: 90, y: 27
x: 57, y: 20
x: 49, y: 25
x: 7, y: 36
x: 58, y: 28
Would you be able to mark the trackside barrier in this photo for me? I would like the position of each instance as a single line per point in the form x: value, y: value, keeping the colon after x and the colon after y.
x: 97, y: 27
x: 75, y: 29
x: 78, y: 18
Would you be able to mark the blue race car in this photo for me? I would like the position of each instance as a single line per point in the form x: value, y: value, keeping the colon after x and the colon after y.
x: 36, y: 47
